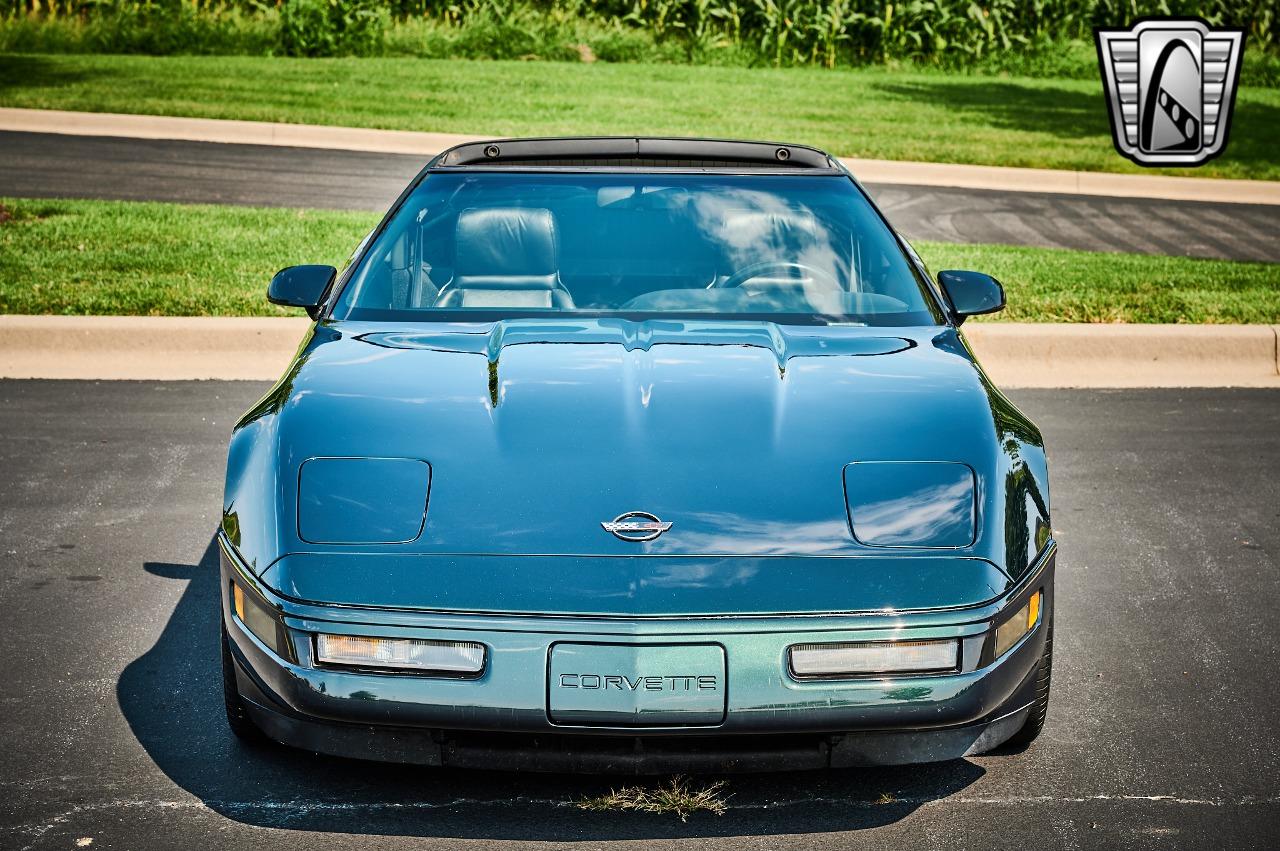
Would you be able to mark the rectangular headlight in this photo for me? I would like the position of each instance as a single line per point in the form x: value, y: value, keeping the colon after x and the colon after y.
x: 1023, y: 620
x: 875, y: 657
x: 409, y: 654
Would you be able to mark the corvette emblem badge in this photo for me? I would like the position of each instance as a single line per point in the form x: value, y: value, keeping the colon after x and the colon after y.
x: 635, y: 526
x: 1170, y: 87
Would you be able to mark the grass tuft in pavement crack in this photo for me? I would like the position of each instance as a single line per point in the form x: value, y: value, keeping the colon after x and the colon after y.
x: 677, y: 796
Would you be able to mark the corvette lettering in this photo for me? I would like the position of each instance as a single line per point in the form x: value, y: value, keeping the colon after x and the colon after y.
x: 706, y: 682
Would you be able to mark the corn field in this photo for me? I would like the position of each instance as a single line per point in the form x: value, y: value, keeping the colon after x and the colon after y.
x: 826, y: 33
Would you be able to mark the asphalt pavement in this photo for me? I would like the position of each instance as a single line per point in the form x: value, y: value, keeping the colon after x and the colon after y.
x: 1164, y: 729
x: 62, y: 166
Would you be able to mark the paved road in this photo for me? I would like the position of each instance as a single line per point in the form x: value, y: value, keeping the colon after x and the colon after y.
x: 47, y: 165
x: 1164, y: 729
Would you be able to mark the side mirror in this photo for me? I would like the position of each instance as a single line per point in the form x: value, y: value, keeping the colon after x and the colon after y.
x: 301, y: 286
x: 971, y: 293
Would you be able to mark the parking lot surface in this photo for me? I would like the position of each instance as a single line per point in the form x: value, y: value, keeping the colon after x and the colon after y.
x: 1164, y: 729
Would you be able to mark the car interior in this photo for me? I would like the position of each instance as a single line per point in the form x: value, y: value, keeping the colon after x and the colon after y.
x: 633, y: 247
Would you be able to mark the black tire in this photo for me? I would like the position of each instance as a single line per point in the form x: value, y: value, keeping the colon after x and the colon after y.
x: 237, y: 715
x: 1034, y: 724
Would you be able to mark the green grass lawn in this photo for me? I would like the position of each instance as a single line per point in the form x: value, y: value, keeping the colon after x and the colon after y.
x: 114, y: 257
x: 1052, y: 123
x: 109, y: 257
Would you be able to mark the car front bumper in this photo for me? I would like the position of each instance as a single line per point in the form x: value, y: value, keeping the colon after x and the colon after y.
x: 772, y: 720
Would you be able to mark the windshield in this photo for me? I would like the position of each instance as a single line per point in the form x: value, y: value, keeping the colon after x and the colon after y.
x: 493, y: 245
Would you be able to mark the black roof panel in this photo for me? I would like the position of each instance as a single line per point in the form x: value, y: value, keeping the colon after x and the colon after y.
x: 633, y: 151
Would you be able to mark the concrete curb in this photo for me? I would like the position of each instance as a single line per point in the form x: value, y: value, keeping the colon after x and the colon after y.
x: 227, y: 131
x: 1014, y: 355
x: 1069, y: 355
x: 1059, y: 182
x: 164, y: 348
x: 428, y: 144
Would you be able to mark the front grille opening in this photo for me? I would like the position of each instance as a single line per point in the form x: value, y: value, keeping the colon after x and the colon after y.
x: 638, y: 754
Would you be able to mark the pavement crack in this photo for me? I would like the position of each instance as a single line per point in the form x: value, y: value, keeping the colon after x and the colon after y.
x: 294, y: 808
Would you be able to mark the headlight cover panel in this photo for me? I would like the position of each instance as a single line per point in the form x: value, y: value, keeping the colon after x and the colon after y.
x: 929, y: 504
x: 362, y: 500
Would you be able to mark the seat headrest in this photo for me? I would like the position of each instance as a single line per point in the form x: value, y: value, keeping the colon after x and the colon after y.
x: 785, y: 229
x: 505, y: 241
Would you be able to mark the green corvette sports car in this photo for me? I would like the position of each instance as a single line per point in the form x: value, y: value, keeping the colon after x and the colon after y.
x: 636, y: 455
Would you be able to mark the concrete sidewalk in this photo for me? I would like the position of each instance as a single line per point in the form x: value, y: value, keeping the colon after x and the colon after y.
x: 428, y: 144
x: 1014, y: 354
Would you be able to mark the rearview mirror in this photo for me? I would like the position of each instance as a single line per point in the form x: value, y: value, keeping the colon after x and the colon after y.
x: 301, y: 286
x: 971, y: 293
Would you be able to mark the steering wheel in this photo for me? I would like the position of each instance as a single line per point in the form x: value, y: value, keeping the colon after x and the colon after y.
x: 759, y: 270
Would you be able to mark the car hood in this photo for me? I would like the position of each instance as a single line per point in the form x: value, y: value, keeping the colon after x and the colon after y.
x: 538, y: 431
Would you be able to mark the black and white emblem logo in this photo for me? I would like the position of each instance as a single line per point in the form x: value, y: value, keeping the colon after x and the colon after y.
x: 1170, y: 86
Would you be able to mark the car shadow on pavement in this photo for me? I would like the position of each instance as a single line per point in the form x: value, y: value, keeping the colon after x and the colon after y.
x: 172, y: 699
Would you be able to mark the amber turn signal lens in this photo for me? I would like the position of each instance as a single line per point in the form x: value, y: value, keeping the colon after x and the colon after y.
x: 256, y: 617
x: 1012, y: 630
x: 1033, y: 610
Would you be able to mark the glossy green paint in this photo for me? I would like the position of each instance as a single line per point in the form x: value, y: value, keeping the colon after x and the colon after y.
x: 738, y: 433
